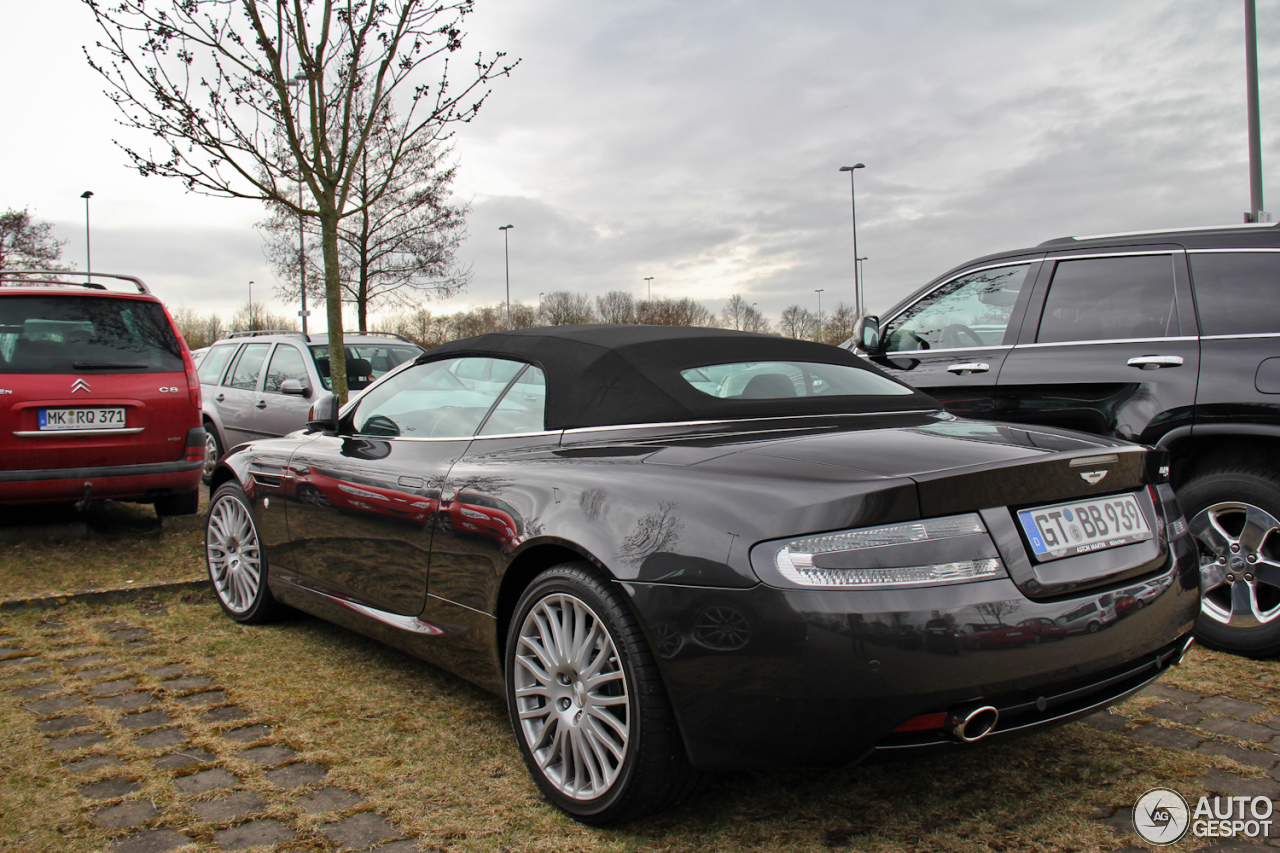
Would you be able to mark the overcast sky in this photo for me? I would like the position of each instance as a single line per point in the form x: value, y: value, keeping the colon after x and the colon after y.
x: 699, y: 143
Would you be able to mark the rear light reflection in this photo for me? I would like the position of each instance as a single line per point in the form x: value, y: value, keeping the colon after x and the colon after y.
x: 923, y: 723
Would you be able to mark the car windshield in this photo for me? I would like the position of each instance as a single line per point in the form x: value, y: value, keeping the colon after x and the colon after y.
x: 366, y: 362
x: 761, y: 380
x: 74, y: 334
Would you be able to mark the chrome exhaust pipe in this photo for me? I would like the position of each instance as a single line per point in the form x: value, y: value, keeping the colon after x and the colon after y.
x: 970, y: 723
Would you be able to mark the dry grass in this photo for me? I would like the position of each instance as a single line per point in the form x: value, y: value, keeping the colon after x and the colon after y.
x: 58, y: 551
x: 436, y: 755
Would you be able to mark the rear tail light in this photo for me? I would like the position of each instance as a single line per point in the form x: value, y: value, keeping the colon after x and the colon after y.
x: 195, y: 449
x: 193, y: 378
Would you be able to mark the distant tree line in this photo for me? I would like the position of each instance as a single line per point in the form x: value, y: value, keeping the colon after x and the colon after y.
x: 558, y: 308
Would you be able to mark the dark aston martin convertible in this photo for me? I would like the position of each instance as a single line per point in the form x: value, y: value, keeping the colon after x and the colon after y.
x: 676, y: 550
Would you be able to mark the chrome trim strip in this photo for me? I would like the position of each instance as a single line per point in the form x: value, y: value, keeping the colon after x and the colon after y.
x: 1114, y: 341
x: 454, y: 437
x: 1115, y: 253
x: 576, y: 430
x: 36, y: 433
x: 1229, y: 251
x: 412, y: 624
x: 1239, y: 337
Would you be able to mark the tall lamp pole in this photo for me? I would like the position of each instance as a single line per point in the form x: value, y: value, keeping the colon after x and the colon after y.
x: 298, y: 80
x: 819, y: 292
x: 506, y: 250
x: 1256, y: 212
x: 649, y: 280
x: 88, y: 255
x: 853, y: 205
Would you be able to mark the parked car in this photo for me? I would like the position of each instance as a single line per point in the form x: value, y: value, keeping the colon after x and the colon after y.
x: 1043, y: 628
x: 98, y: 395
x: 1164, y: 338
x: 640, y: 512
x: 262, y: 384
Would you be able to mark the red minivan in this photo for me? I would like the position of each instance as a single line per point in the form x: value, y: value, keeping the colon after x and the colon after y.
x: 99, y: 396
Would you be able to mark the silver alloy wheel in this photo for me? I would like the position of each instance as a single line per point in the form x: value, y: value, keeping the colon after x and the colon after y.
x: 235, y: 559
x: 572, y: 697
x: 210, y: 453
x: 1239, y: 582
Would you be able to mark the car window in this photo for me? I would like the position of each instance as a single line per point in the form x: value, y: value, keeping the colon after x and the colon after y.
x: 424, y: 401
x: 763, y: 380
x: 248, y: 366
x: 1236, y: 292
x: 72, y: 334
x: 365, y: 362
x: 215, y: 363
x: 970, y: 311
x: 1104, y: 299
x: 523, y: 407
x: 286, y: 363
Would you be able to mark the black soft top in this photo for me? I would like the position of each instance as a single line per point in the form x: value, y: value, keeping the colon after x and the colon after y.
x: 608, y: 375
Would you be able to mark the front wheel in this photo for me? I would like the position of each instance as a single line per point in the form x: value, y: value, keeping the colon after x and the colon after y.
x: 588, y: 706
x: 236, y: 558
x: 1234, y: 515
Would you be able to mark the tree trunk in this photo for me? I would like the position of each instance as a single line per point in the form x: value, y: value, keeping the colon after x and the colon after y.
x: 333, y: 301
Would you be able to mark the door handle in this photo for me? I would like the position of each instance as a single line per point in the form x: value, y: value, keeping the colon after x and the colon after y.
x: 969, y: 367
x: 1155, y: 362
x: 261, y: 404
x: 220, y: 397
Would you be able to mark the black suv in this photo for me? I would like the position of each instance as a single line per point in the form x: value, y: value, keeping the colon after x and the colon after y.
x: 1166, y: 338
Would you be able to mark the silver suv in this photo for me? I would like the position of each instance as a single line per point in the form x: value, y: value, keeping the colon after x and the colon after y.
x: 261, y: 384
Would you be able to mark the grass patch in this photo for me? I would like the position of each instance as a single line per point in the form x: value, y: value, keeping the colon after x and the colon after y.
x: 51, y: 551
x: 436, y: 755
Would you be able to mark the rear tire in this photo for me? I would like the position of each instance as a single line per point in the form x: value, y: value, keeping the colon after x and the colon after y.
x: 188, y: 504
x: 236, y: 558
x: 212, y: 453
x: 1234, y: 515
x: 589, y: 709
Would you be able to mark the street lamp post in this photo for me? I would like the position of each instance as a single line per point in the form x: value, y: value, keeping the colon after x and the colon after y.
x: 506, y: 251
x: 540, y: 303
x: 298, y: 80
x: 88, y: 255
x: 819, y: 292
x: 853, y: 206
x: 862, y: 274
x: 649, y: 280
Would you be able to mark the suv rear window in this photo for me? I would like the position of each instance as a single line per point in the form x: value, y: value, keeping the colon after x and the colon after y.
x: 72, y: 334
x: 1236, y: 292
x: 1106, y: 299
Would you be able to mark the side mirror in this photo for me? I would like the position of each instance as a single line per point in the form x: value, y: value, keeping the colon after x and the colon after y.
x: 868, y: 333
x: 294, y: 387
x: 324, y: 415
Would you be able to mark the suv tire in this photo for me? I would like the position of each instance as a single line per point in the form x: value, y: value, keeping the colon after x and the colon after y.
x: 1234, y: 514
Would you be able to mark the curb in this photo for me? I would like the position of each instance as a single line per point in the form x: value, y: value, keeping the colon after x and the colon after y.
x: 128, y: 593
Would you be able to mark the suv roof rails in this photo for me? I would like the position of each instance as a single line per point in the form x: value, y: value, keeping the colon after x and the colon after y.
x: 380, y: 335
x: 1060, y: 240
x: 51, y: 279
x: 253, y: 333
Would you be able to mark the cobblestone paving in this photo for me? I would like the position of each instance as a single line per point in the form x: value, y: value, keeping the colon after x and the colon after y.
x: 121, y: 719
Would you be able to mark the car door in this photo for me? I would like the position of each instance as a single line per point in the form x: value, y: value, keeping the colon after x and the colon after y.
x: 239, y: 394
x: 1109, y: 346
x: 952, y: 342
x: 285, y: 398
x: 364, y: 504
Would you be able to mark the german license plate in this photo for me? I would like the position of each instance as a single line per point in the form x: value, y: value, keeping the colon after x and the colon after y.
x: 1065, y: 530
x: 98, y: 418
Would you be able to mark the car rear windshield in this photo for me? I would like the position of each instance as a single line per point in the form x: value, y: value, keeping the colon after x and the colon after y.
x: 75, y: 334
x: 762, y: 380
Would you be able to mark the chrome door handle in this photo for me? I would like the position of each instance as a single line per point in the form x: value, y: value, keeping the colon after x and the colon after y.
x: 1155, y: 362
x: 969, y: 367
x: 261, y: 404
x: 220, y: 397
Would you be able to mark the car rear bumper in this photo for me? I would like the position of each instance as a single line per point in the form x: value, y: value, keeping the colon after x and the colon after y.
x: 119, y: 482
x: 825, y: 677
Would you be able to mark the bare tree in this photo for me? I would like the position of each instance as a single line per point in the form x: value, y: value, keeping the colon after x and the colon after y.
x: 756, y: 322
x: 674, y: 312
x: 616, y: 306
x: 395, y: 249
x: 199, y: 330
x: 734, y: 312
x: 797, y: 322
x: 210, y: 80
x: 254, y: 317
x: 562, y: 308
x: 26, y: 244
x: 838, y: 327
